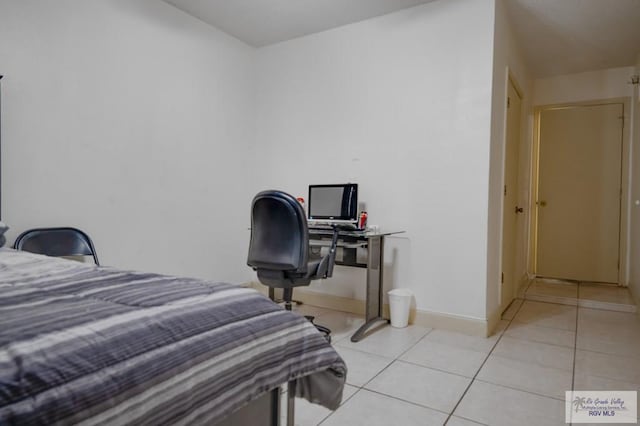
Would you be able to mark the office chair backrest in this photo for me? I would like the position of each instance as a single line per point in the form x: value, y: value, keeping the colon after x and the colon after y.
x: 279, y: 234
x: 56, y: 242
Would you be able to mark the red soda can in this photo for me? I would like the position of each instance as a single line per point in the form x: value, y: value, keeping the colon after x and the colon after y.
x: 362, y: 223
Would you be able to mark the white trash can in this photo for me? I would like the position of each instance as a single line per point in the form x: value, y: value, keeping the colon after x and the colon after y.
x: 399, y: 305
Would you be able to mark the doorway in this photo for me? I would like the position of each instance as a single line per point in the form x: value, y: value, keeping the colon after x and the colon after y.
x: 579, y: 192
x: 511, y: 210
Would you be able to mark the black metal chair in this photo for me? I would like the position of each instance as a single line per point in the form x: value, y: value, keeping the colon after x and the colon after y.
x: 3, y: 229
x: 57, y: 242
x: 279, y: 246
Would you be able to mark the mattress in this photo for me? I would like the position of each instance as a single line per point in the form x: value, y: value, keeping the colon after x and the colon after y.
x: 81, y: 344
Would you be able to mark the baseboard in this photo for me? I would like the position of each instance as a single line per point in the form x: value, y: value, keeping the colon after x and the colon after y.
x: 523, y: 284
x: 431, y: 319
x: 634, y: 298
x: 457, y: 323
x: 493, y: 323
x: 322, y: 300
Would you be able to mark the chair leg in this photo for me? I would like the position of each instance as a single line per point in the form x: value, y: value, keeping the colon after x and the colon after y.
x: 287, y: 296
x: 272, y: 296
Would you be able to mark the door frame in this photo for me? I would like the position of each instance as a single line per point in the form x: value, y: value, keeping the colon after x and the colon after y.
x: 511, y: 80
x: 623, y: 273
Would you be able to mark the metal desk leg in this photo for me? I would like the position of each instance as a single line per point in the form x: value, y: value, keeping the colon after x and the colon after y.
x: 291, y: 401
x: 275, y: 407
x: 375, y: 269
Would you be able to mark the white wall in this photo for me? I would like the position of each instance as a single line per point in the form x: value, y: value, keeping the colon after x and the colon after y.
x: 400, y: 104
x: 128, y: 119
x: 151, y: 130
x: 634, y: 192
x: 507, y: 59
x: 586, y: 86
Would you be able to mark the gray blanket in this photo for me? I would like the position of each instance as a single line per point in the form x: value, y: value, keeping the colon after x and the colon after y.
x: 94, y: 345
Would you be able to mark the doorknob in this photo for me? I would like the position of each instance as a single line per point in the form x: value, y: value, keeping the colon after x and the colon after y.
x: 542, y: 203
x: 519, y: 209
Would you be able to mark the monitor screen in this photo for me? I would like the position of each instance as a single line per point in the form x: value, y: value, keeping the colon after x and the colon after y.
x: 333, y: 202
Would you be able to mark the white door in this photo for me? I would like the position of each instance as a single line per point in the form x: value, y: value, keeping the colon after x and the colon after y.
x: 510, y: 207
x: 579, y: 193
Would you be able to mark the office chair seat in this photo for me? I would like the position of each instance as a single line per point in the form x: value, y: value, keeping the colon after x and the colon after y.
x: 280, y: 279
x: 57, y: 242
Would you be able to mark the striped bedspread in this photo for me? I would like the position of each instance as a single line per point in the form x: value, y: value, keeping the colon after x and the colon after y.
x: 88, y: 345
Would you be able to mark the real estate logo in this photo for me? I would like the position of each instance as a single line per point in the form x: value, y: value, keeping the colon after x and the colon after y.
x: 601, y: 407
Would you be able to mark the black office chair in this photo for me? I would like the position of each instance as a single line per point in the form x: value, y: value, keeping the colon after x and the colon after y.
x: 56, y: 242
x: 279, y: 246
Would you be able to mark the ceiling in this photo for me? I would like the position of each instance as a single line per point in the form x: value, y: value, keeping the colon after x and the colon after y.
x: 263, y: 22
x: 569, y: 36
x: 556, y: 36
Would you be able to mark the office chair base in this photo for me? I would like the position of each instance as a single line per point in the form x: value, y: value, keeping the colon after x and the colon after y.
x: 297, y: 302
x: 322, y: 329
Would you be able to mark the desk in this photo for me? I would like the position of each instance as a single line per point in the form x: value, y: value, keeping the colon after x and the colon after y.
x: 350, y: 242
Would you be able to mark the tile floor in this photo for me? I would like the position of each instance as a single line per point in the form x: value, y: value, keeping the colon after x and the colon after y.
x: 421, y: 376
x: 586, y: 295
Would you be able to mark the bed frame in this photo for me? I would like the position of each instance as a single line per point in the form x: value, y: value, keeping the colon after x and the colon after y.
x: 264, y: 411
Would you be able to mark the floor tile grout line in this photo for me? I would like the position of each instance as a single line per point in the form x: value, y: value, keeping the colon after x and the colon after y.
x: 436, y: 369
x: 553, y: 299
x: 630, y: 357
x: 523, y: 339
x: 363, y: 386
x: 528, y: 287
x: 407, y: 401
x: 533, y: 324
x: 543, y: 343
x: 552, y: 303
x: 534, y: 363
x: 581, y: 302
x: 387, y: 396
x: 380, y: 372
x: 417, y: 341
x: 394, y: 360
x: 470, y: 420
x: 575, y: 344
x: 341, y: 404
x: 397, y: 358
x: 509, y: 307
x: 519, y: 390
x: 585, y: 303
x: 383, y: 356
x: 473, y: 379
x: 362, y: 351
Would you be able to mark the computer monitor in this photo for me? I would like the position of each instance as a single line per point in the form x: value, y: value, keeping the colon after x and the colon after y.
x: 333, y: 202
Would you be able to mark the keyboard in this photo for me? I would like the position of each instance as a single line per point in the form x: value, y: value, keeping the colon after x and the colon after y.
x: 320, y: 231
x: 340, y: 226
x: 321, y: 227
x: 347, y: 226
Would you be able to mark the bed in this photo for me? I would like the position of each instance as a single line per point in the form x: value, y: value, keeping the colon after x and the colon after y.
x: 81, y: 344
